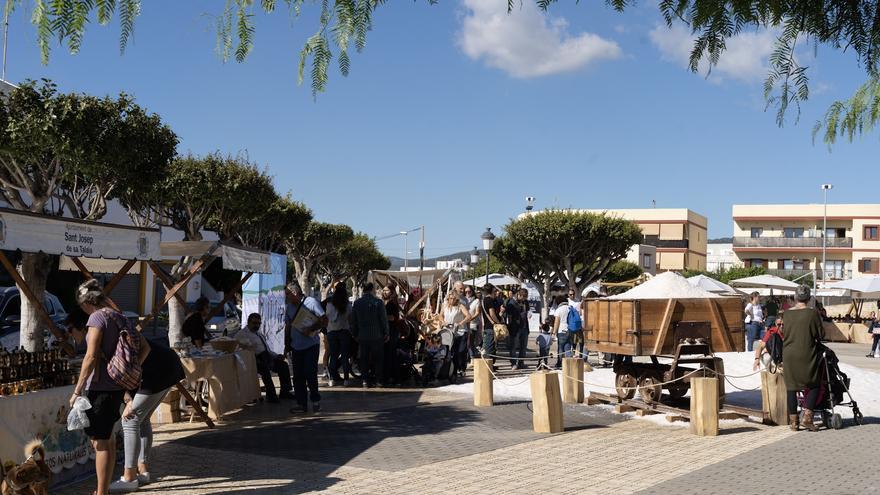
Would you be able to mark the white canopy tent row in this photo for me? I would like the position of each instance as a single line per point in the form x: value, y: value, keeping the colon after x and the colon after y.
x: 771, y: 282
x: 496, y: 279
x: 861, y: 288
x: 714, y: 286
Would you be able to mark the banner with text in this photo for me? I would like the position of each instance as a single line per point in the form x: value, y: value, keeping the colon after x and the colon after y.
x: 264, y: 293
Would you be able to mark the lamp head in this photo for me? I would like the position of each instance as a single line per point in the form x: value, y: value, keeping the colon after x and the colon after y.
x: 827, y: 186
x: 488, y: 239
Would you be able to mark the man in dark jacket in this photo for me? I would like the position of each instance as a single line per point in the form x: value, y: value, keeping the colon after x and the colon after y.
x: 369, y: 326
x: 516, y: 310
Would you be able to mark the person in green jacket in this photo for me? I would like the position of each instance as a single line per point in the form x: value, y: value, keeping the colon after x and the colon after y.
x: 801, y: 358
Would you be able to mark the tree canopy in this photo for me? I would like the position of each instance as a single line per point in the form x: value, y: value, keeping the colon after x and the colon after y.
x: 352, y: 260
x: 622, y: 271
x: 343, y: 24
x: 576, y: 248
x: 317, y: 242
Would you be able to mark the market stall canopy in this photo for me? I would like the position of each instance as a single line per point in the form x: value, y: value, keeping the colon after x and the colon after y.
x: 765, y: 282
x: 34, y: 233
x: 235, y: 257
x: 862, y: 288
x: 96, y: 265
x: 496, y: 279
x: 408, y: 279
x: 712, y: 285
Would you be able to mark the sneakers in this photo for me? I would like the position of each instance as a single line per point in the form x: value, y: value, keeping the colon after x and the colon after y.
x: 122, y: 486
x: 144, y: 479
x: 331, y: 383
x: 346, y: 383
x: 316, y: 407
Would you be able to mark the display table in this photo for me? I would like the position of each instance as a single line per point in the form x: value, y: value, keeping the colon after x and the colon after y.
x: 43, y: 414
x: 231, y: 378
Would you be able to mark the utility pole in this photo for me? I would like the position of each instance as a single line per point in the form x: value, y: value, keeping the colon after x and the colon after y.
x: 825, y: 189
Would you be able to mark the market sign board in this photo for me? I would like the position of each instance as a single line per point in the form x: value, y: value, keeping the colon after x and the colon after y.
x: 32, y: 233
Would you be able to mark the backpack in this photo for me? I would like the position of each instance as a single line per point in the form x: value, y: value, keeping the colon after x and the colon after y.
x: 124, y: 368
x: 575, y: 324
x: 774, y: 348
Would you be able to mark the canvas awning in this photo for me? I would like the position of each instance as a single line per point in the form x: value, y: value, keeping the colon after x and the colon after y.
x: 712, y: 285
x: 496, y: 279
x: 765, y: 282
x: 97, y: 265
x: 34, y: 233
x: 408, y: 279
x: 862, y: 287
x: 237, y: 258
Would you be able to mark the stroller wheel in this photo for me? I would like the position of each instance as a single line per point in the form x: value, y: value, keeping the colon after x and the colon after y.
x: 836, y: 421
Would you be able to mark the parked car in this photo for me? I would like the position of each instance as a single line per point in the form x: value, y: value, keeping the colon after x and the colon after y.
x: 10, y: 314
x: 229, y: 320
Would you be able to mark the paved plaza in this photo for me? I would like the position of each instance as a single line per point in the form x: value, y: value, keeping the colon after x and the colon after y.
x: 410, y: 441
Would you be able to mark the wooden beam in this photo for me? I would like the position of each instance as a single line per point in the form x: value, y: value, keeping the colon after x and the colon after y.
x: 38, y: 305
x: 664, y: 327
x: 172, y: 292
x: 719, y: 323
x: 118, y: 277
x: 228, y: 297
x: 166, y: 280
x: 195, y: 405
x: 82, y: 268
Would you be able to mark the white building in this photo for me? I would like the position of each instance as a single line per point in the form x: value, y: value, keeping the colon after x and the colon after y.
x: 720, y: 256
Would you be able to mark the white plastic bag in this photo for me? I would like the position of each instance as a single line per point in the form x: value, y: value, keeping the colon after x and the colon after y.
x: 76, y: 418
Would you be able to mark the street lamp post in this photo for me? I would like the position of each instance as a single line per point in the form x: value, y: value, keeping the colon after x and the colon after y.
x: 488, y: 241
x: 405, y: 249
x: 825, y: 189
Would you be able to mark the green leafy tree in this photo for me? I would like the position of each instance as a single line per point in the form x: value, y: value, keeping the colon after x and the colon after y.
x: 344, y: 24
x: 268, y: 229
x: 352, y: 261
x: 575, y: 248
x: 622, y: 271
x: 317, y: 242
x: 69, y: 154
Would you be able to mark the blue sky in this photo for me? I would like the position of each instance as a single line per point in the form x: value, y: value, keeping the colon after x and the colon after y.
x: 455, y: 112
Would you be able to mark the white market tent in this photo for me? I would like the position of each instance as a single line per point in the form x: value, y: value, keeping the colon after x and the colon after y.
x: 862, y: 288
x: 714, y: 286
x: 76, y: 240
x: 496, y: 279
x: 765, y: 282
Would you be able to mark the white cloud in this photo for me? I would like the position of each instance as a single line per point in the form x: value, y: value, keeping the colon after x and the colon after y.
x: 527, y: 42
x: 744, y: 59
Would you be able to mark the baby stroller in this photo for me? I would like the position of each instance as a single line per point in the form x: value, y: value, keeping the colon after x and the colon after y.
x: 832, y: 389
x: 444, y: 369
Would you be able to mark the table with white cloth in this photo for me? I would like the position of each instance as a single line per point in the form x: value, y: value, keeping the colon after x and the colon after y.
x: 231, y: 379
x: 43, y: 414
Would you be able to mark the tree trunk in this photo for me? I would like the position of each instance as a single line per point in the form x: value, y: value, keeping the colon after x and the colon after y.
x: 545, y: 290
x: 176, y: 310
x: 304, y: 275
x: 34, y: 269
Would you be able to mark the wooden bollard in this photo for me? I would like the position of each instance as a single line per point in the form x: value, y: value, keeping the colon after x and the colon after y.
x: 774, y: 398
x: 546, y: 402
x: 704, y: 406
x: 573, y: 380
x: 483, y: 383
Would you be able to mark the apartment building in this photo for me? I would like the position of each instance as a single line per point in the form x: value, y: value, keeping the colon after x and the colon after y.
x: 788, y: 239
x: 679, y: 235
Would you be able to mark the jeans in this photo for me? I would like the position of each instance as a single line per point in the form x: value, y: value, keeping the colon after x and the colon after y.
x: 305, y: 375
x: 518, y: 338
x: 875, y: 344
x: 266, y: 364
x: 137, y: 433
x: 339, y: 342
x: 754, y: 332
x: 543, y: 352
x: 563, y: 347
x: 489, y: 341
x: 371, y: 360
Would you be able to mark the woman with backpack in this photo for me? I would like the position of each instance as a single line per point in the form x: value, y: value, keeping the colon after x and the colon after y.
x: 112, y: 364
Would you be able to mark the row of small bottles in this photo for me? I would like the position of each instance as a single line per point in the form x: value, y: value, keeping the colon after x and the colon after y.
x: 22, y: 371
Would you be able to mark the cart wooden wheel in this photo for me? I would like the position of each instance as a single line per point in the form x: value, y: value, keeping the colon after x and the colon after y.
x: 649, y: 389
x: 625, y: 384
x: 679, y: 389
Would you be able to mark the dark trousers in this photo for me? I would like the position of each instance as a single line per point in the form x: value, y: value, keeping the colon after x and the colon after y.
x: 371, y: 360
x: 518, y: 339
x: 305, y: 375
x: 544, y: 353
x: 811, y: 397
x: 389, y: 360
x: 339, y: 344
x: 266, y: 364
x: 489, y: 341
x: 876, y: 343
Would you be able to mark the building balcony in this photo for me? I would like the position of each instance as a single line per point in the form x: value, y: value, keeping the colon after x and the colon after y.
x: 791, y: 242
x: 653, y: 240
x: 831, y: 274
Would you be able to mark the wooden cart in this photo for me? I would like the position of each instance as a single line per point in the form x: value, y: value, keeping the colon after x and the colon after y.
x: 688, y: 331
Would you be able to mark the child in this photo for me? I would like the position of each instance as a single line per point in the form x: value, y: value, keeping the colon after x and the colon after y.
x: 435, y: 353
x: 545, y: 338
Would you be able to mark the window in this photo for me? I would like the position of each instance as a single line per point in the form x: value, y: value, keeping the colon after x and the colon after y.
x: 835, y: 269
x: 646, y: 261
x: 756, y: 232
x: 793, y: 264
x: 869, y: 265
x: 756, y: 263
x: 793, y: 232
x: 870, y: 233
